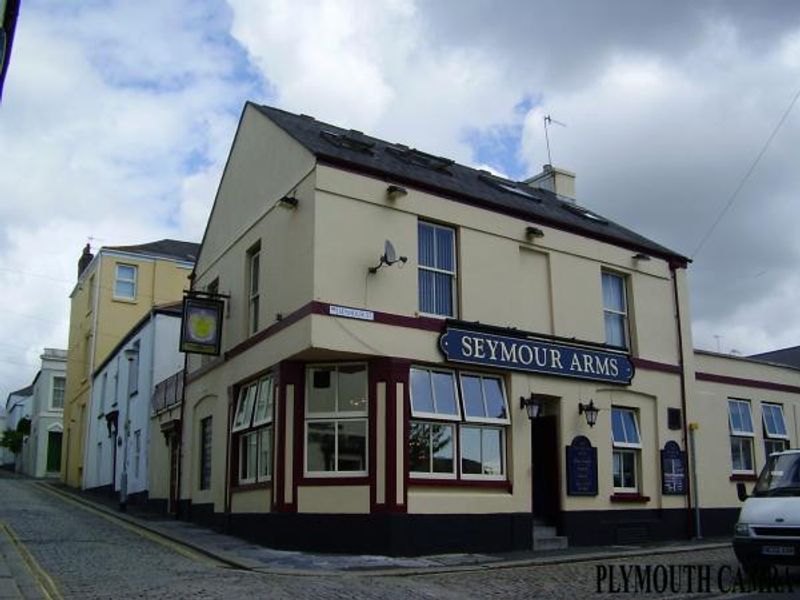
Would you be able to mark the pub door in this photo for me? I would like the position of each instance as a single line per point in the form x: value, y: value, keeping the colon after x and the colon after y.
x: 544, y: 469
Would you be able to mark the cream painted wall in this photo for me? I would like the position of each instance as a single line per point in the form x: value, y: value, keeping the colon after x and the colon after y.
x: 333, y: 499
x: 251, y: 501
x: 710, y: 412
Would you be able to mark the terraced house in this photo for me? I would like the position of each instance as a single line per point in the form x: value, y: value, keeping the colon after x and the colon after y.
x: 419, y: 356
x: 115, y: 289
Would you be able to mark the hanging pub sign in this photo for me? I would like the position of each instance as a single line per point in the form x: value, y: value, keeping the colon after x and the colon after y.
x: 673, y: 470
x: 201, y: 326
x: 535, y: 356
x: 581, y: 467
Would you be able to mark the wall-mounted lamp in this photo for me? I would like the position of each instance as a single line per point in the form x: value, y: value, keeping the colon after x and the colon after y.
x: 641, y: 256
x: 531, y: 405
x: 288, y: 202
x: 393, y: 192
x: 533, y: 232
x: 131, y: 354
x: 591, y: 412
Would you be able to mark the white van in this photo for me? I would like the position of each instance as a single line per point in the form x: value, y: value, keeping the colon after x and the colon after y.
x: 768, y: 530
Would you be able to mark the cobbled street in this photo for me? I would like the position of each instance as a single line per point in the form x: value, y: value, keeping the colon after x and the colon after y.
x: 87, y: 555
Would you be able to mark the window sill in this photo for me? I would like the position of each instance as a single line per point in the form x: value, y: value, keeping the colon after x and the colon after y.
x: 311, y: 480
x: 629, y: 497
x: 461, y: 483
x: 248, y: 487
x: 744, y: 477
x: 124, y: 300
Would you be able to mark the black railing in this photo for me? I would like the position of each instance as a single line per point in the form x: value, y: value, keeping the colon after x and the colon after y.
x: 168, y: 392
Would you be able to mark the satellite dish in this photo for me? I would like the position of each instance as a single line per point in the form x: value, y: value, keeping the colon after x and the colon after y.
x: 389, y: 253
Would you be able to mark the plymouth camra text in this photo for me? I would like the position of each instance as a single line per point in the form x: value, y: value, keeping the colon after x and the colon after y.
x: 535, y: 356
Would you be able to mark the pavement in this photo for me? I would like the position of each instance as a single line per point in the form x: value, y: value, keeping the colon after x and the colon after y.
x: 241, y: 554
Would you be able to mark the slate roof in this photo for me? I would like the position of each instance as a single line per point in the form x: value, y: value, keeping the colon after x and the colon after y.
x: 353, y: 150
x: 174, y: 249
x: 26, y: 391
x: 784, y: 356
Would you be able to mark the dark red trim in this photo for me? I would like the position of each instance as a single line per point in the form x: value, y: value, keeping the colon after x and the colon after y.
x: 753, y: 383
x: 630, y: 498
x: 651, y: 365
x: 461, y: 483
x: 376, y: 374
x: 249, y: 487
x: 743, y: 477
x: 345, y: 165
x: 295, y: 372
x: 310, y: 480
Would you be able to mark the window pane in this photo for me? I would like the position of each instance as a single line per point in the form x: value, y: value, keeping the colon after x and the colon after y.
x: 492, y: 452
x: 321, y: 446
x: 445, y: 393
x: 419, y: 456
x: 426, y: 300
x: 617, y: 469
x: 421, y: 397
x: 613, y: 292
x: 736, y: 455
x: 322, y: 395
x: 443, y: 291
x: 473, y: 396
x: 615, y: 329
x: 780, y: 424
x: 426, y: 245
x: 617, y: 428
x: 471, y: 451
x: 244, y: 410
x: 442, y: 448
x: 747, y: 453
x: 631, y: 433
x: 252, y: 454
x: 263, y: 410
x: 495, y: 402
x: 628, y: 470
x: 353, y: 445
x: 265, y: 452
x: 254, y: 272
x: 735, y: 416
x: 747, y: 423
x: 125, y: 289
x: 352, y: 381
x: 444, y: 249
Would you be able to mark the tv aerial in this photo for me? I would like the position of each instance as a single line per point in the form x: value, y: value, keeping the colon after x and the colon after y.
x: 548, y: 120
x: 389, y: 257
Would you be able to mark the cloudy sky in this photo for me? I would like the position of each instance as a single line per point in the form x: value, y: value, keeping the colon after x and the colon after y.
x: 117, y: 117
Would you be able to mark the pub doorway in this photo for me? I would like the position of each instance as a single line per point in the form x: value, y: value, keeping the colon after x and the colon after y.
x: 545, y: 479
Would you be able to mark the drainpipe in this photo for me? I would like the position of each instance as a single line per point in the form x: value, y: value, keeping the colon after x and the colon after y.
x: 684, y: 424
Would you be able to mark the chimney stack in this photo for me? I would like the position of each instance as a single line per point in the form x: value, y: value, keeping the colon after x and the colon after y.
x: 554, y: 179
x: 85, y: 259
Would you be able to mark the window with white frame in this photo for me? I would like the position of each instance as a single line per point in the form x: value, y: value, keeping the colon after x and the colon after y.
x: 776, y: 438
x: 336, y: 420
x: 740, y: 422
x: 253, y: 296
x: 57, y: 400
x: 627, y: 445
x: 437, y: 269
x: 615, y: 309
x: 125, y: 282
x: 252, y: 430
x: 458, y: 428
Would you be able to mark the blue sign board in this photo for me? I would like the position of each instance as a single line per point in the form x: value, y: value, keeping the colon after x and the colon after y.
x: 535, y: 356
x: 673, y: 469
x: 581, y: 467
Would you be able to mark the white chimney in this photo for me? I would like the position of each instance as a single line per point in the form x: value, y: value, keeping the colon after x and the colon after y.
x: 555, y: 179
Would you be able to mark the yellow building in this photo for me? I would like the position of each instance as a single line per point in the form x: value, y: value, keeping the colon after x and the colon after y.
x: 115, y: 289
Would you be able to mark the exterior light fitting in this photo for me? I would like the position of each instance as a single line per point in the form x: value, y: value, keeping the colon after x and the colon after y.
x: 531, y: 405
x: 591, y: 412
x: 131, y: 354
x: 393, y: 192
x: 533, y: 232
x: 288, y: 202
x: 641, y: 256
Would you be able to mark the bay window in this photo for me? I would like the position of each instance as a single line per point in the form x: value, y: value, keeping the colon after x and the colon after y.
x: 465, y: 420
x: 627, y: 445
x: 336, y: 420
x: 740, y: 423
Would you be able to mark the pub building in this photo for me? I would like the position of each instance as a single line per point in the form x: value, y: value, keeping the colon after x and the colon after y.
x: 418, y: 357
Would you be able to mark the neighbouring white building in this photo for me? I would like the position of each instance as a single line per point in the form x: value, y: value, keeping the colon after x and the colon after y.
x: 122, y: 388
x: 42, y: 449
x: 18, y: 407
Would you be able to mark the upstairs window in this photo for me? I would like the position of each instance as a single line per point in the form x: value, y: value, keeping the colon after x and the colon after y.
x: 253, y: 295
x: 59, y: 384
x: 125, y: 282
x: 775, y: 437
x: 437, y: 269
x: 741, y: 433
x: 615, y: 310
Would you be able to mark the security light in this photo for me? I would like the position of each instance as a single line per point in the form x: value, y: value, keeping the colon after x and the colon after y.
x: 533, y: 232
x: 288, y: 202
x: 393, y: 192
